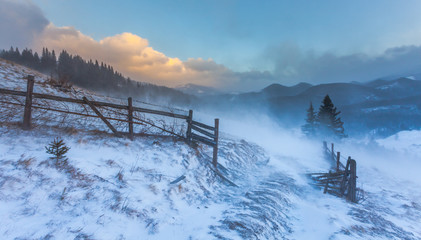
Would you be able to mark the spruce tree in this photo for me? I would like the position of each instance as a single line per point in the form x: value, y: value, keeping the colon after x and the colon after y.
x: 58, y: 149
x: 309, y: 128
x: 65, y: 67
x: 328, y: 119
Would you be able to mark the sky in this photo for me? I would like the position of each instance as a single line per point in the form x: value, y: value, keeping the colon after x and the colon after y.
x: 235, y: 45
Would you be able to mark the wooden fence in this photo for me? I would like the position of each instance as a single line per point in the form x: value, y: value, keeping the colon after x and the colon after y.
x: 196, y: 131
x: 341, y: 181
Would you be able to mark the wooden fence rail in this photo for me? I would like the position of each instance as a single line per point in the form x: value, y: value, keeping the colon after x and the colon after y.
x: 96, y: 103
x: 202, y: 133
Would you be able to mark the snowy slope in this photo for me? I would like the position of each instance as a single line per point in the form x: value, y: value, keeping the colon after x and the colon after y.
x: 115, y: 188
x: 12, y: 76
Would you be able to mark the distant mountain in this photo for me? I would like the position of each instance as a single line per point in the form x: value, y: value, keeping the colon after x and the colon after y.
x: 397, y: 88
x: 381, y: 106
x: 198, y: 90
x: 255, y: 99
x: 415, y: 74
x: 280, y: 90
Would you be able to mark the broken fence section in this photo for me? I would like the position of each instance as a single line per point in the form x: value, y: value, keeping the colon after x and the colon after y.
x: 341, y: 181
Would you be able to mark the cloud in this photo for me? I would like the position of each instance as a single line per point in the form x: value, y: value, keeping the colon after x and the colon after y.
x: 292, y: 64
x: 133, y: 56
x: 23, y: 24
x: 127, y: 52
x: 20, y: 22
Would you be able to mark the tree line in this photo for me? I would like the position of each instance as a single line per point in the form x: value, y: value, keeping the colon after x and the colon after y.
x: 90, y: 74
x: 325, y: 122
x: 45, y: 63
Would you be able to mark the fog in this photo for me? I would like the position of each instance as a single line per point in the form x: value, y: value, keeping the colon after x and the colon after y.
x: 395, y: 158
x: 293, y: 64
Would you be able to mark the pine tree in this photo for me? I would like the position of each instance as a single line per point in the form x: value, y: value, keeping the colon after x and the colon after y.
x: 328, y: 119
x: 37, y: 62
x: 44, y: 58
x: 16, y: 55
x: 27, y: 57
x: 58, y: 148
x: 311, y: 122
x: 65, y: 67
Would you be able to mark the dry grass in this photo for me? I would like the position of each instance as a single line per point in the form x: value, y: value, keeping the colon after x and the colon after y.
x: 63, y: 194
x: 71, y: 130
x: 153, y: 189
x: 111, y: 163
x: 83, y: 180
x: 60, y: 84
x: 120, y: 176
x: 25, y: 163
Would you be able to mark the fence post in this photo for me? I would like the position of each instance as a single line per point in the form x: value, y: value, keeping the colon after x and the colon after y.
x: 130, y: 108
x: 333, y: 153
x: 327, y: 183
x: 352, y: 181
x: 28, y: 103
x: 345, y: 178
x: 215, y: 147
x: 189, y: 123
x: 338, y: 156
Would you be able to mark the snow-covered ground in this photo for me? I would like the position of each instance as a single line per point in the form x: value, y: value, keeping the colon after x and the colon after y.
x: 114, y: 188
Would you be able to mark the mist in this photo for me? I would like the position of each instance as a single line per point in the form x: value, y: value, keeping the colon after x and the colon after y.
x: 395, y: 155
x: 293, y: 64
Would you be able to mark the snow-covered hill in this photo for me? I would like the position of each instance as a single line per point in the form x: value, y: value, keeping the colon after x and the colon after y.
x: 197, y: 90
x: 114, y: 188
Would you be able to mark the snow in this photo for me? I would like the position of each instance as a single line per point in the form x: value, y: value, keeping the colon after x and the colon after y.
x: 114, y: 188
x: 389, y: 108
x: 406, y: 141
x: 98, y: 203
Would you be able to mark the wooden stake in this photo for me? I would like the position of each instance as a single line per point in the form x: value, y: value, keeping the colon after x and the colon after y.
x: 352, y: 196
x: 130, y: 116
x: 28, y: 103
x: 215, y: 148
x: 345, y: 178
x: 102, y: 117
x: 333, y: 153
x: 338, y: 156
x: 189, y: 125
x: 327, y: 183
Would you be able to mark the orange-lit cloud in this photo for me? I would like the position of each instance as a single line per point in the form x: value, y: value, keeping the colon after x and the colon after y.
x: 23, y: 24
x: 133, y: 56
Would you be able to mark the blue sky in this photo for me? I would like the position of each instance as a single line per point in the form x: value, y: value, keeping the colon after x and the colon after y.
x: 283, y: 41
x: 237, y: 33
